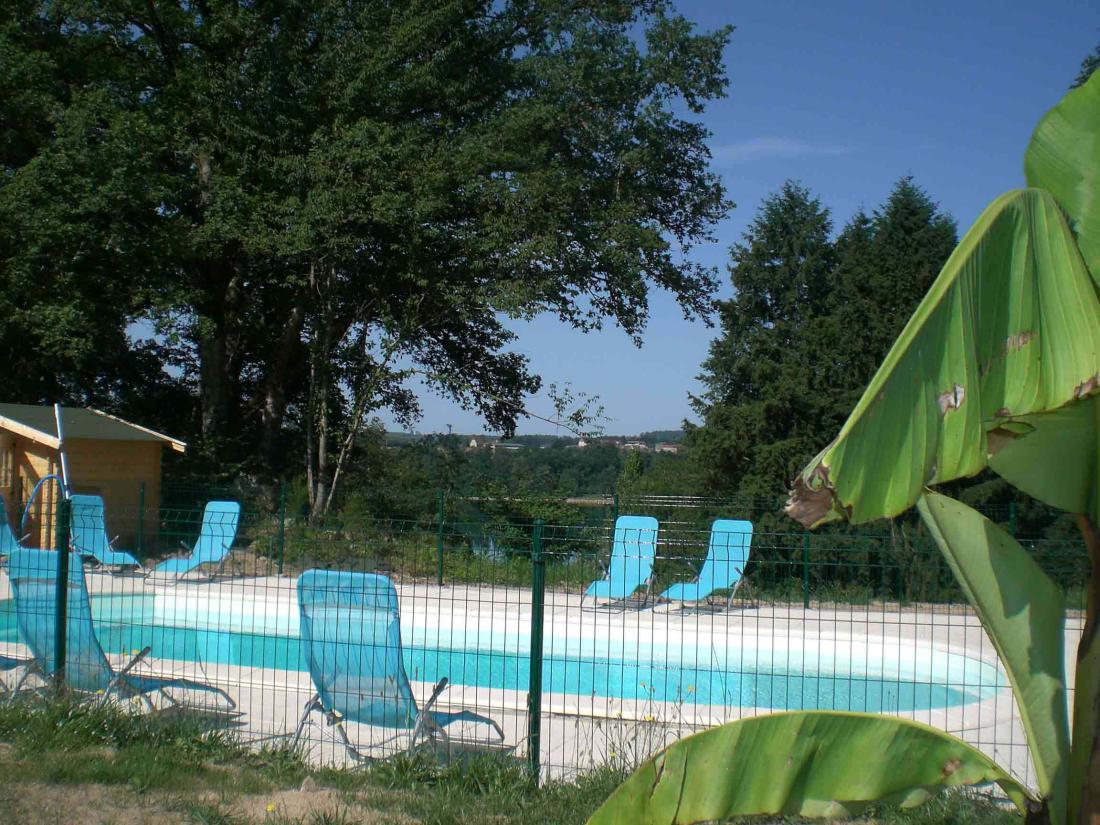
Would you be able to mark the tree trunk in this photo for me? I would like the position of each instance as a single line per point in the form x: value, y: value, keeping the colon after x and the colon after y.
x: 217, y: 321
x: 321, y: 488
x: 1085, y: 762
x: 319, y: 392
x: 274, y: 405
x: 213, y: 384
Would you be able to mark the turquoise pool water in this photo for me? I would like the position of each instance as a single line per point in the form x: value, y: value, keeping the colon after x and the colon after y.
x: 789, y: 678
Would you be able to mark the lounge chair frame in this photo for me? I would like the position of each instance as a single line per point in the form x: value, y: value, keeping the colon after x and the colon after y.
x: 33, y: 575
x: 220, y: 520
x: 734, y: 560
x: 88, y: 517
x: 635, y: 532
x: 375, y: 595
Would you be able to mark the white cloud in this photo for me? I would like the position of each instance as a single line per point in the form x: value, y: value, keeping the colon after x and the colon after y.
x: 772, y: 148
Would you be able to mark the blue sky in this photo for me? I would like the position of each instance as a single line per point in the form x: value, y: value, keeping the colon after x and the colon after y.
x: 845, y: 97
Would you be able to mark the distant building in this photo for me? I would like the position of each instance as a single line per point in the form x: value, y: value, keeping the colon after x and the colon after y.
x: 581, y: 443
x: 636, y: 447
x: 667, y: 447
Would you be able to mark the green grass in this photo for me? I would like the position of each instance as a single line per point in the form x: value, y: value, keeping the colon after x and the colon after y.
x: 66, y: 741
x: 182, y: 767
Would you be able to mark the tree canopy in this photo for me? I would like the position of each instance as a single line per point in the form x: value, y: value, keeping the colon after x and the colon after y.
x: 1089, y: 65
x: 302, y: 204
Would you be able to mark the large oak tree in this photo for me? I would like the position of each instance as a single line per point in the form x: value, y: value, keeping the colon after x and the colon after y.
x: 313, y: 200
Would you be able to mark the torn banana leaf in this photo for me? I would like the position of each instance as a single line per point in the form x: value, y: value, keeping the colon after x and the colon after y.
x: 1009, y: 330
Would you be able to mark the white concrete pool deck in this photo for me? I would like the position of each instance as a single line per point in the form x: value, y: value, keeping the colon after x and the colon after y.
x: 580, y: 732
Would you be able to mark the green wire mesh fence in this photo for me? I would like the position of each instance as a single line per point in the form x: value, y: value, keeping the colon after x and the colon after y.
x: 499, y: 598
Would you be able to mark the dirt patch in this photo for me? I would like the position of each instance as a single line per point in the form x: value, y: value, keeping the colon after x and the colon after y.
x: 297, y: 806
x: 36, y: 803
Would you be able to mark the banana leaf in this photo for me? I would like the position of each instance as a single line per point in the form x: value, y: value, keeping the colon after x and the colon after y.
x: 1024, y: 612
x: 1009, y: 330
x: 809, y: 763
x: 1064, y: 159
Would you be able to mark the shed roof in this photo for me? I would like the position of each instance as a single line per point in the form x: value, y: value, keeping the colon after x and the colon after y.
x: 37, y: 423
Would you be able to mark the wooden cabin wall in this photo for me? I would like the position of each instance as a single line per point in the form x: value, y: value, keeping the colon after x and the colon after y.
x: 115, y: 471
x: 33, y: 462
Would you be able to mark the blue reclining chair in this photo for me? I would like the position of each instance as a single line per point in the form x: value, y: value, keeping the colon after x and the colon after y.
x: 89, y: 534
x: 8, y: 540
x: 13, y: 663
x: 219, y: 529
x: 351, y: 643
x: 724, y: 566
x: 8, y: 545
x: 33, y: 576
x: 632, y: 553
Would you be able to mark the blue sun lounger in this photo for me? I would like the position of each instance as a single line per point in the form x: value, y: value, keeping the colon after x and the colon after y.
x: 724, y: 566
x: 632, y: 552
x: 351, y: 642
x: 8, y: 545
x: 89, y: 534
x: 8, y: 541
x: 33, y: 576
x: 219, y: 528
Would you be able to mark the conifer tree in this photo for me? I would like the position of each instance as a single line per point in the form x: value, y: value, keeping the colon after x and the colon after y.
x: 762, y: 400
x: 809, y: 323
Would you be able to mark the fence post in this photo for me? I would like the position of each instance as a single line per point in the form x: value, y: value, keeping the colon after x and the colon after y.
x: 534, y: 691
x: 61, y: 588
x: 806, y: 569
x: 1012, y: 518
x: 441, y: 513
x: 614, y: 508
x: 141, y: 519
x: 282, y: 527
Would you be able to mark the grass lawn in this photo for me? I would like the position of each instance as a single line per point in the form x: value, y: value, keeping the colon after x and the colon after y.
x: 66, y: 762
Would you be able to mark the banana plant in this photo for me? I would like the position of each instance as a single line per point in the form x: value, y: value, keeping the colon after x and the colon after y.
x: 998, y: 368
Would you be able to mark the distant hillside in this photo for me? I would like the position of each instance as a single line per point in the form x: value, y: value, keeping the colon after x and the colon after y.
x: 540, y: 440
x: 674, y: 436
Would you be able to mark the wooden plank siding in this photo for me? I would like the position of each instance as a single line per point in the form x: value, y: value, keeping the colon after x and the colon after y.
x: 107, y: 468
x: 32, y: 463
x: 115, y: 470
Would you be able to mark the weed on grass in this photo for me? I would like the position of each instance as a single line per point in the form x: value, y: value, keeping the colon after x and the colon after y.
x: 953, y: 808
x: 210, y: 814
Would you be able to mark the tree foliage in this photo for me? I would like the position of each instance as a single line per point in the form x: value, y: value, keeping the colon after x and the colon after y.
x: 808, y: 324
x: 1089, y: 65
x: 312, y: 201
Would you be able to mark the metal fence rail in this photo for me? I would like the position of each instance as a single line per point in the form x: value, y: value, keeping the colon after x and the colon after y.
x: 821, y: 621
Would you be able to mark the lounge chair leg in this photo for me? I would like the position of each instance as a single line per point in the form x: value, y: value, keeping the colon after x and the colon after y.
x: 120, y: 675
x: 313, y: 704
x: 167, y: 697
x: 430, y: 730
x: 11, y: 693
x: 353, y: 752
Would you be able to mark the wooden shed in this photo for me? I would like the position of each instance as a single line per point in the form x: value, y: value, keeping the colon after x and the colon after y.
x: 107, y: 456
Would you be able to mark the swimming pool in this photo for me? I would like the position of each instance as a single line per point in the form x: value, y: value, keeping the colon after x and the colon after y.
x: 768, y: 672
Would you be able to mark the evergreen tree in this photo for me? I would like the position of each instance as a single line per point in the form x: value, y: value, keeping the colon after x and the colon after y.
x: 1089, y: 65
x: 764, y: 394
x: 885, y: 265
x: 809, y: 324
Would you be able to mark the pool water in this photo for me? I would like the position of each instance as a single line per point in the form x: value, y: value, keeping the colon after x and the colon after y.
x: 779, y: 674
